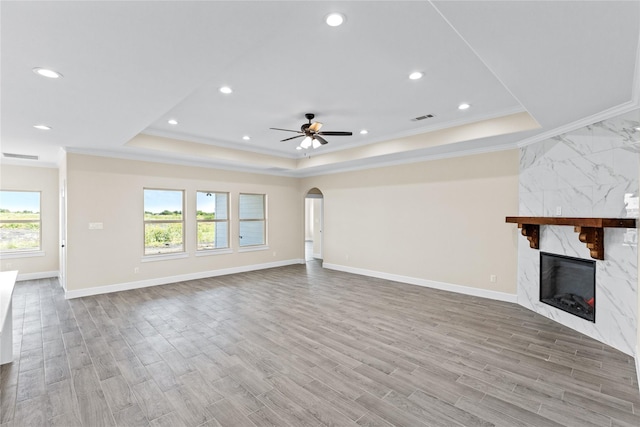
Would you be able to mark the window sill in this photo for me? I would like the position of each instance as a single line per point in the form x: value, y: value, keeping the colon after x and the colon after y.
x: 164, y: 257
x: 209, y: 252
x: 26, y: 254
x: 254, y: 248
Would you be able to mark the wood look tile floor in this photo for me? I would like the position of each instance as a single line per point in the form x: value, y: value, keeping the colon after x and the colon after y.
x: 303, y: 346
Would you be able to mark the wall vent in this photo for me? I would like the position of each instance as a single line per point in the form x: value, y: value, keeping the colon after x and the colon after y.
x: 426, y: 116
x: 20, y: 156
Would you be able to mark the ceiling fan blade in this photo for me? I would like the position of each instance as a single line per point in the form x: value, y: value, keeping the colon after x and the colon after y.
x: 315, y: 126
x: 286, y: 130
x: 335, y: 133
x: 293, y: 137
x: 321, y: 139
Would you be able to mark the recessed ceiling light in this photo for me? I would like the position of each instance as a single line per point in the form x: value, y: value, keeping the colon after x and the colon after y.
x: 172, y: 122
x: 226, y: 90
x: 364, y: 132
x: 416, y: 75
x: 246, y: 137
x: 298, y: 148
x: 334, y: 19
x: 463, y: 106
x: 42, y: 127
x: 45, y: 72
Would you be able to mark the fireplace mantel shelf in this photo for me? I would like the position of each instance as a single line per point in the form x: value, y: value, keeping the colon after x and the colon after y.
x: 590, y: 230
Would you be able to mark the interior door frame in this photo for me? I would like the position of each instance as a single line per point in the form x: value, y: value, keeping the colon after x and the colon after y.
x: 62, y: 273
x: 316, y: 194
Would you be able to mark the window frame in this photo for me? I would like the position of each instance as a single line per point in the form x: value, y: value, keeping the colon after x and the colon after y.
x: 263, y: 219
x: 181, y: 221
x: 214, y: 221
x: 10, y: 253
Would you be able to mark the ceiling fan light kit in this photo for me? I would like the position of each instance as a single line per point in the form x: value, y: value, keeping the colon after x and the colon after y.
x: 312, y: 134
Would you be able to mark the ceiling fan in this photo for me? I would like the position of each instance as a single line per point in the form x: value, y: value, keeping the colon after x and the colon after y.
x: 311, y: 133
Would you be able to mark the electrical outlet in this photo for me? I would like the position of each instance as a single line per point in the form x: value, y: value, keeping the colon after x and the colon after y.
x: 274, y: 253
x: 9, y: 265
x: 493, y: 278
x: 558, y: 210
x: 136, y: 270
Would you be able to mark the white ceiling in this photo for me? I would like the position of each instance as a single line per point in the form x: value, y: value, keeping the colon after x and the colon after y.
x: 528, y: 69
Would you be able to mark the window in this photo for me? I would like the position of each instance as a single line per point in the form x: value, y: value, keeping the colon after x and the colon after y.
x: 163, y: 221
x: 20, y: 221
x: 252, y: 220
x: 212, y: 216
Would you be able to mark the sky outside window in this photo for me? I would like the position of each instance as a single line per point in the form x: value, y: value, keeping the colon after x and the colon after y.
x: 20, y: 201
x: 157, y: 201
x: 206, y: 203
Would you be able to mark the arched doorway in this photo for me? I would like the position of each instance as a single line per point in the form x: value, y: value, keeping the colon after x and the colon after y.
x: 313, y: 224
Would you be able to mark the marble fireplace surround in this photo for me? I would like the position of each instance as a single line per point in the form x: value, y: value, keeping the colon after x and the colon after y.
x: 589, y: 172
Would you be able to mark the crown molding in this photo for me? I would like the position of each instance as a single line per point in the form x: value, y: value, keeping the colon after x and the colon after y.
x: 380, y: 163
x: 145, y: 157
x: 216, y: 143
x: 585, y: 121
x: 29, y: 163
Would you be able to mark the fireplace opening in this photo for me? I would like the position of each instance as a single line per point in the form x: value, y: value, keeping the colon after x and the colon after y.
x: 569, y: 284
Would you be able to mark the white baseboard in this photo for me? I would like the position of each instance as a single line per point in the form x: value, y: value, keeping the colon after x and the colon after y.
x: 466, y: 290
x: 106, y: 289
x: 39, y: 275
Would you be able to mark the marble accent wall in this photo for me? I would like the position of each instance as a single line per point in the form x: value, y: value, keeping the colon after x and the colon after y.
x: 590, y: 172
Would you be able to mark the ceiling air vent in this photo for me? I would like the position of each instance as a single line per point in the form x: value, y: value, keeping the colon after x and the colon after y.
x: 426, y: 116
x: 20, y: 156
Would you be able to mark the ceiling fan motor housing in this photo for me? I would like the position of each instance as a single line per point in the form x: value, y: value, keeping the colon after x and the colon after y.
x: 312, y: 133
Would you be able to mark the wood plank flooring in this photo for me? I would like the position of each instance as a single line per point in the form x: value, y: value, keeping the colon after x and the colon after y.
x: 303, y: 346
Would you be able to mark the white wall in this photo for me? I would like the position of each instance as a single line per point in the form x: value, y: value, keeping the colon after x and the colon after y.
x: 110, y: 191
x: 44, y: 180
x: 436, y: 217
x: 437, y: 221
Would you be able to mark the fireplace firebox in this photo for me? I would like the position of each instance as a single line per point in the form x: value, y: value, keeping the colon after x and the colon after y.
x: 569, y: 284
